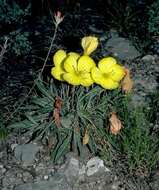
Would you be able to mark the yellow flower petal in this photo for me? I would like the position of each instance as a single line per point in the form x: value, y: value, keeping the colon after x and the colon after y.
x: 96, y: 75
x: 86, y: 79
x: 75, y: 55
x: 70, y: 64
x: 117, y: 73
x: 109, y: 84
x: 57, y: 73
x: 105, y: 64
x: 85, y: 63
x: 58, y: 57
x: 72, y: 78
x: 89, y: 44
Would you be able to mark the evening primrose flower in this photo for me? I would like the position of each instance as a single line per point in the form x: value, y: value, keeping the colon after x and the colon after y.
x: 58, y: 60
x: 89, y: 44
x: 108, y: 73
x: 78, y: 70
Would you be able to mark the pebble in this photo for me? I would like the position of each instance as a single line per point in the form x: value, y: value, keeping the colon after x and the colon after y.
x: 46, y: 177
x: 148, y: 58
x: 4, y: 170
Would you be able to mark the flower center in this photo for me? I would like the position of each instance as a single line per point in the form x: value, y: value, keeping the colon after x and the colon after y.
x: 106, y: 75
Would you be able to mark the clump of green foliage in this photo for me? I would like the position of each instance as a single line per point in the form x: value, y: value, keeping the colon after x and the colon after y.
x: 90, y: 110
x: 19, y: 42
x: 153, y: 22
x: 82, y: 110
x: 12, y: 18
x: 12, y: 13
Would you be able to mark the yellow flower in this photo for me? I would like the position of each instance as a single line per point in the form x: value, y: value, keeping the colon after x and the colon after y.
x: 89, y: 44
x: 78, y: 70
x: 58, y: 60
x: 108, y: 73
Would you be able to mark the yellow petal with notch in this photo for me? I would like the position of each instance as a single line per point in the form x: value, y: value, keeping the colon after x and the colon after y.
x: 85, y: 63
x: 72, y: 78
x: 89, y: 44
x: 75, y: 55
x: 70, y: 64
x: 58, y: 57
x: 105, y: 64
x: 118, y: 73
x: 57, y: 73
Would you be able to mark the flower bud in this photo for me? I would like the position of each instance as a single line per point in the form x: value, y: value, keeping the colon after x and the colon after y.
x: 89, y: 44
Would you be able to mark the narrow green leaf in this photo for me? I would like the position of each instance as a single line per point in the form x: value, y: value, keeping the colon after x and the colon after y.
x: 63, y: 147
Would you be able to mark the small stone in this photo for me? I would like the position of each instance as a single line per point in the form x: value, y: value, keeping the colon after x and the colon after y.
x: 51, y: 172
x: 26, y: 153
x: 13, y: 146
x: 4, y: 170
x: 148, y: 59
x: 19, y: 175
x: 95, y: 165
x: 46, y: 177
x: 27, y: 177
x: 71, y: 170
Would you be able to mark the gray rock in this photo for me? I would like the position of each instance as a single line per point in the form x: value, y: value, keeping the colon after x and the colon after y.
x: 26, y: 153
x: 71, y: 170
x: 148, y: 59
x: 121, y: 48
x: 95, y: 165
x: 56, y: 183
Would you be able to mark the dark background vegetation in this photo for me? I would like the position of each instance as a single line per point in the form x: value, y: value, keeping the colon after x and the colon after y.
x: 22, y: 21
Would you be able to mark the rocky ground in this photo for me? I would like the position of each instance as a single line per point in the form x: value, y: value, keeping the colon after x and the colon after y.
x: 27, y: 166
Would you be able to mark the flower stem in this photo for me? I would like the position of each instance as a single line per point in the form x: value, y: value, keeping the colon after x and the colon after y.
x: 48, y: 53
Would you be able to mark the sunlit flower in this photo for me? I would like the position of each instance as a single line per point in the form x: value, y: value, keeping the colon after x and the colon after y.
x: 89, y: 44
x: 58, y: 60
x: 115, y: 124
x: 108, y: 73
x: 58, y: 17
x: 78, y: 70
